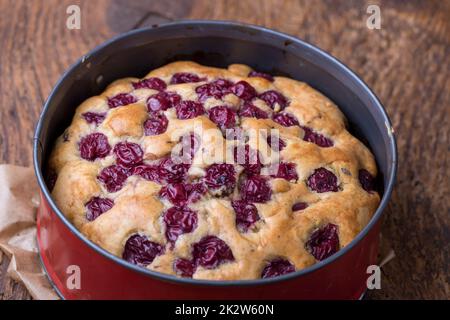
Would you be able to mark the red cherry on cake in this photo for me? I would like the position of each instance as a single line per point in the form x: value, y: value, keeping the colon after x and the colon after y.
x: 211, y: 251
x: 121, y: 99
x: 255, y: 189
x: 96, y: 206
x: 323, y: 180
x: 150, y: 83
x: 323, y: 242
x: 94, y: 146
x: 141, y: 251
x: 276, y: 268
x: 179, y: 220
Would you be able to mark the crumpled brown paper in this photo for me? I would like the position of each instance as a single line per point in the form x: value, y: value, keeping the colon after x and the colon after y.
x: 19, y: 198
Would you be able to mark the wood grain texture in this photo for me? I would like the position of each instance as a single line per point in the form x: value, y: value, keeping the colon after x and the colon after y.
x: 406, y: 63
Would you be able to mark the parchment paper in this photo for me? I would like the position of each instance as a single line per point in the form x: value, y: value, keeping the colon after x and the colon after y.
x: 19, y: 198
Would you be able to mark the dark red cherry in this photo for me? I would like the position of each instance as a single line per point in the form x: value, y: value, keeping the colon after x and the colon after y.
x: 285, y: 119
x: 96, y: 206
x: 273, y: 97
x: 367, y: 180
x: 173, y: 172
x: 216, y: 89
x: 94, y: 146
x: 156, y: 124
x: 148, y: 172
x: 211, y: 251
x: 150, y: 83
x: 121, y: 99
x: 316, y: 138
x: 323, y: 242
x: 243, y: 90
x: 221, y: 176
x: 299, y: 206
x: 323, y: 180
x: 181, y: 194
x: 162, y: 101
x: 189, y: 109
x: 178, y: 221
x: 184, y: 268
x: 250, y: 111
x: 185, y: 77
x: 223, y: 116
x: 276, y: 268
x: 261, y: 75
x: 128, y: 154
x: 141, y: 251
x: 286, y: 170
x: 113, y: 177
x: 246, y: 214
x: 94, y: 117
x: 255, y: 189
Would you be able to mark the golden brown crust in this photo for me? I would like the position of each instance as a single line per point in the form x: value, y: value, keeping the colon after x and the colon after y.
x: 280, y: 232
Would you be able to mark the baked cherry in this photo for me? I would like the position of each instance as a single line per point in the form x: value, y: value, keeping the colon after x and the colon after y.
x: 128, y: 154
x: 189, y: 109
x: 250, y: 111
x: 276, y: 268
x: 255, y: 189
x: 121, y: 99
x: 179, y: 220
x: 248, y: 158
x: 261, y: 75
x: 162, y: 101
x: 285, y: 119
x: 316, y: 138
x: 216, y: 89
x: 148, y: 172
x: 96, y: 206
x: 246, y: 214
x: 184, y: 267
x: 272, y: 142
x: 243, y: 90
x: 150, y: 83
x: 367, y: 180
x: 156, y: 124
x: 181, y: 194
x: 94, y: 146
x: 223, y: 116
x: 173, y: 172
x: 113, y: 177
x: 273, y: 97
x: 323, y: 180
x: 141, y: 251
x: 185, y: 77
x: 94, y: 117
x: 221, y: 176
x: 323, y: 242
x: 211, y: 251
x: 299, y: 206
x: 287, y: 171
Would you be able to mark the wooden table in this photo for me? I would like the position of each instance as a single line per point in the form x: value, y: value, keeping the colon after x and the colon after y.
x: 406, y: 62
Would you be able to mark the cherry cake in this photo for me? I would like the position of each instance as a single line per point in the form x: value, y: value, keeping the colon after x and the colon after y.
x: 209, y: 173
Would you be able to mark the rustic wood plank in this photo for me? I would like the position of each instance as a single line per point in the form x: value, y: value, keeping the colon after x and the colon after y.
x: 406, y: 63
